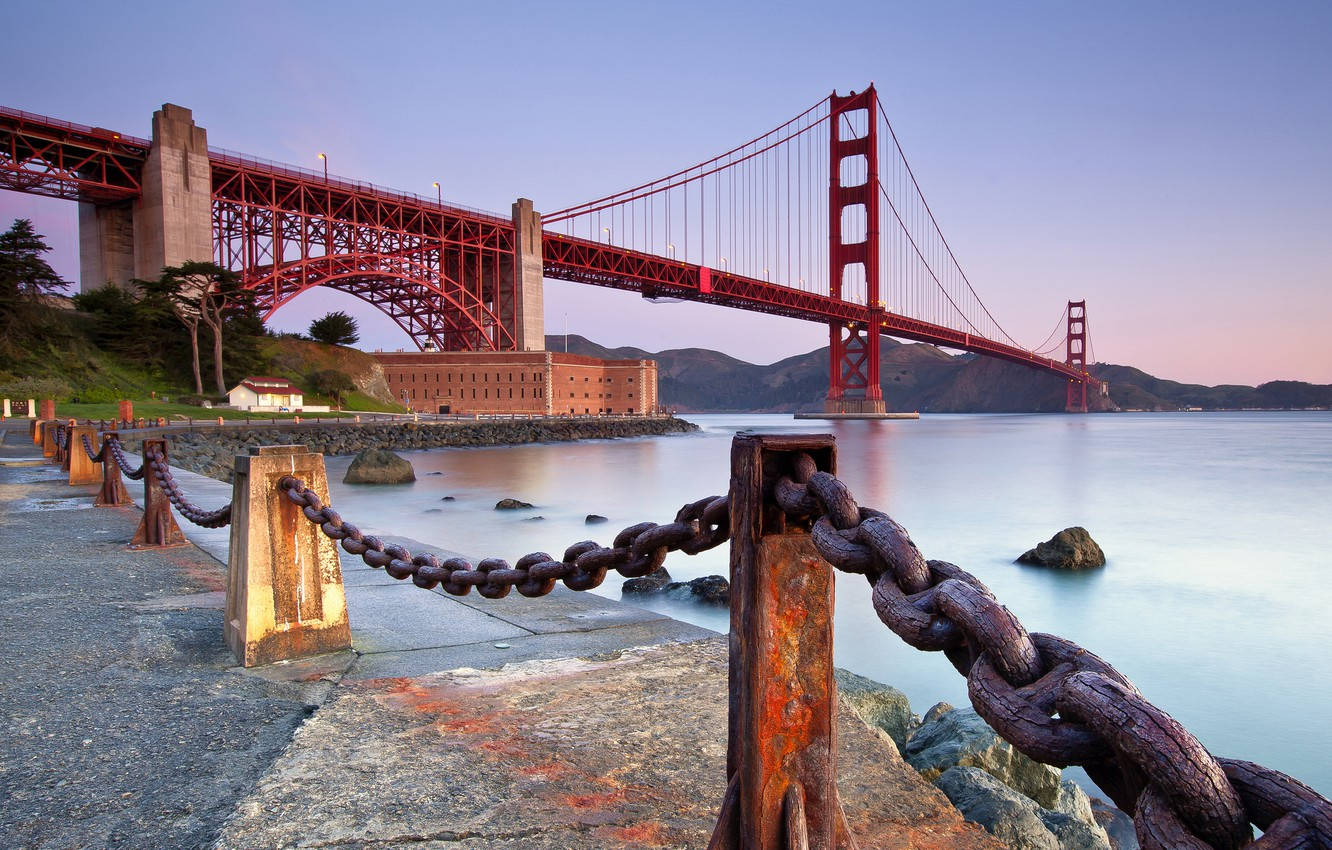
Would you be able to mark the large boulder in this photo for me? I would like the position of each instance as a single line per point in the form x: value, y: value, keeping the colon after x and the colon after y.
x: 881, y: 706
x: 379, y: 466
x: 653, y: 582
x: 511, y: 504
x: 1005, y: 814
x: 1070, y: 549
x: 1117, y: 824
x: 960, y: 738
x: 710, y: 590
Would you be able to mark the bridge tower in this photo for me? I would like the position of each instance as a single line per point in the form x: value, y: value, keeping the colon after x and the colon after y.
x: 1077, y: 356
x: 853, y: 381
x: 169, y: 223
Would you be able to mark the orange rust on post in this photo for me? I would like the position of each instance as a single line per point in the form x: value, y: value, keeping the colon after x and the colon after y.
x: 47, y: 409
x: 158, y: 528
x: 49, y: 438
x: 82, y: 469
x: 68, y: 451
x: 782, y: 733
x: 113, y: 493
x: 126, y: 411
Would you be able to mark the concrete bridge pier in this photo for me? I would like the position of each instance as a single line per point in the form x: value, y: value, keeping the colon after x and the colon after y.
x: 169, y: 223
x: 530, y: 311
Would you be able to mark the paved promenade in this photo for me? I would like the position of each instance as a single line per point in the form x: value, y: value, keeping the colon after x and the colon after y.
x: 572, y: 721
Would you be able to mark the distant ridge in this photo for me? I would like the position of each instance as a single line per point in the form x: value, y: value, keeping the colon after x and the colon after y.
x: 924, y: 378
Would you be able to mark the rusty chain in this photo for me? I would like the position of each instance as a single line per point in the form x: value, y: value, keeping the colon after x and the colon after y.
x: 94, y: 457
x: 62, y: 437
x: 156, y: 461
x: 118, y: 451
x: 1050, y: 698
x: 636, y: 551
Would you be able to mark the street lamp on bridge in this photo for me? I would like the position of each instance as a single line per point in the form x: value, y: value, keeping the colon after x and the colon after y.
x: 324, y: 159
x: 670, y: 250
x: 607, y: 231
x: 439, y: 193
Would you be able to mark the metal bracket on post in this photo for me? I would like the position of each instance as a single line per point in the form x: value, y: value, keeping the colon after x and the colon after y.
x: 284, y: 583
x: 83, y: 469
x: 158, y: 528
x: 113, y: 493
x: 67, y: 452
x: 781, y: 754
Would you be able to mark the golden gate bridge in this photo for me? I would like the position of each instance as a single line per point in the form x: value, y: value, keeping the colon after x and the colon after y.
x: 820, y: 219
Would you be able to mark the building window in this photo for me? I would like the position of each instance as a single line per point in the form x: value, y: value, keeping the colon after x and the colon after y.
x: 585, y: 395
x: 631, y: 395
x: 571, y: 378
x: 585, y: 380
x: 631, y: 380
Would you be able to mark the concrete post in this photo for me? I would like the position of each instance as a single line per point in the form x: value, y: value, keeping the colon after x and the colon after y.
x: 530, y: 311
x: 113, y: 493
x: 158, y: 528
x: 83, y: 470
x: 173, y: 218
x: 32, y: 409
x: 284, y: 585
x: 5, y: 414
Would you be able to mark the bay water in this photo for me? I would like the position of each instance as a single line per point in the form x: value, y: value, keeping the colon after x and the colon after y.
x: 1217, y: 527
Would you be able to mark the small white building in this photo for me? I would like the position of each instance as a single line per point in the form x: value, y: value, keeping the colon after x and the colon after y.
x: 267, y: 395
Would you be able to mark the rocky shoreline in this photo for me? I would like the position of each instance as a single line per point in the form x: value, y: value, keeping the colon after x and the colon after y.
x: 212, y: 452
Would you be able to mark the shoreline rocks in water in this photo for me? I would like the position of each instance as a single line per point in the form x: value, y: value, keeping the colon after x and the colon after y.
x: 706, y: 590
x: 379, y: 466
x: 212, y: 452
x: 653, y: 582
x: 1070, y: 549
x: 511, y: 504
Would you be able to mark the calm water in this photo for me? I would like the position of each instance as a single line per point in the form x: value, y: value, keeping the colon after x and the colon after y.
x: 1217, y: 528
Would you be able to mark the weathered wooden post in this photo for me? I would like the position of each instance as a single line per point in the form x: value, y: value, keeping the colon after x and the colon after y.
x: 83, y: 469
x: 158, y: 528
x: 781, y: 756
x: 113, y: 493
x: 284, y: 585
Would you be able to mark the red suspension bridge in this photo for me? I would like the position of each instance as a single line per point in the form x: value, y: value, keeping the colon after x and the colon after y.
x: 819, y: 219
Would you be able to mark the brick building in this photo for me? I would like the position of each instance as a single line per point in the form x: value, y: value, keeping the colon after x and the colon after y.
x: 537, y: 382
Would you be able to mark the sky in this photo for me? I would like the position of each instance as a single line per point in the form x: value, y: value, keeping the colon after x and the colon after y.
x: 1171, y: 163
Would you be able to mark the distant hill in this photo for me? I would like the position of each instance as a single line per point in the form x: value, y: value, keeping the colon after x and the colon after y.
x: 922, y: 377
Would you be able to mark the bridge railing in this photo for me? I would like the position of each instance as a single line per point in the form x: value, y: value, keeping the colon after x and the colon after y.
x: 787, y: 517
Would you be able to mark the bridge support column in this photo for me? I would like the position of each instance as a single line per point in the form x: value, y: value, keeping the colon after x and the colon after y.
x: 170, y: 222
x: 529, y: 307
x: 1076, y: 356
x: 106, y: 245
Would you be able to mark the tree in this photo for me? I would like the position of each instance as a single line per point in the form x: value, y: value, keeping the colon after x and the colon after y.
x: 204, y: 293
x: 336, y: 328
x: 25, y: 279
x: 331, y: 383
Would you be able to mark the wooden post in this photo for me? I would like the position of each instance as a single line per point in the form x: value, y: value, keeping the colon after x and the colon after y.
x: 81, y: 469
x: 284, y: 585
x: 113, y: 493
x: 158, y: 528
x: 781, y: 756
x: 35, y: 431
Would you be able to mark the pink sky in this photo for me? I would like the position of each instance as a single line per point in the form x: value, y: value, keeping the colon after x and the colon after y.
x: 1169, y: 166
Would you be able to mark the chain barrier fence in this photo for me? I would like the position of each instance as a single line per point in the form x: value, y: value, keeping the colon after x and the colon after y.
x: 1053, y: 700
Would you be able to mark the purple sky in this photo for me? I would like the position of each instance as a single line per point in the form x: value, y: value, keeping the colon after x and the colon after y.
x: 1171, y: 165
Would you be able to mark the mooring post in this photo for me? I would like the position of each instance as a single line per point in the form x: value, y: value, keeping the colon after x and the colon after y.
x: 49, y: 438
x: 781, y: 755
x: 47, y: 409
x: 67, y: 452
x: 158, y: 528
x: 284, y: 585
x: 35, y: 430
x: 82, y: 469
x: 113, y: 493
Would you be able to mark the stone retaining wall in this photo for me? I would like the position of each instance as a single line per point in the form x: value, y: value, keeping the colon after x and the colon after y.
x: 212, y: 453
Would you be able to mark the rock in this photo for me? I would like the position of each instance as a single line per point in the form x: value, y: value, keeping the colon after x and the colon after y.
x: 533, y: 518
x: 1072, y: 833
x: 961, y: 738
x: 1070, y: 549
x: 1005, y: 814
x: 511, y: 505
x: 653, y: 582
x: 939, y: 709
x: 434, y: 473
x: 379, y: 466
x: 1072, y: 800
x: 593, y: 519
x: 710, y: 590
x: 881, y: 706
x: 447, y: 499
x: 1117, y: 824
x: 434, y: 510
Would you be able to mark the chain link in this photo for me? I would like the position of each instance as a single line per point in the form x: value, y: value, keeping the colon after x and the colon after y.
x: 1050, y: 698
x: 636, y: 551
x: 94, y: 457
x: 157, y: 463
x: 118, y: 452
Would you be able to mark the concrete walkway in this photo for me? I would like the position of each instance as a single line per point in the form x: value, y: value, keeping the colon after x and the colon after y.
x: 572, y: 721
